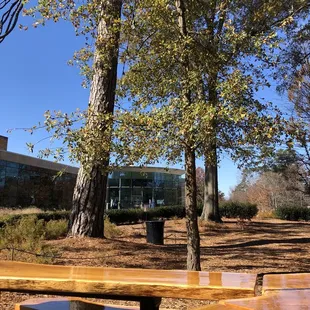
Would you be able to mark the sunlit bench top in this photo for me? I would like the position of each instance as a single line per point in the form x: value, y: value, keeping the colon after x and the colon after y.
x: 291, y: 300
x: 280, y: 291
x: 287, y: 281
x: 53, y: 279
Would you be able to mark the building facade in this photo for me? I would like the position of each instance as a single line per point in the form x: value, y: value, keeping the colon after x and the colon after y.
x: 26, y: 181
x: 133, y: 187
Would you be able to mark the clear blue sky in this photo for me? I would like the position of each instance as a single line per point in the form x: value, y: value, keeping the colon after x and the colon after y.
x: 35, y: 77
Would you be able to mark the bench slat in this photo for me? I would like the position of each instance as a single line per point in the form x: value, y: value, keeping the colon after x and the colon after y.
x: 286, y: 281
x: 274, y: 300
x: 60, y: 280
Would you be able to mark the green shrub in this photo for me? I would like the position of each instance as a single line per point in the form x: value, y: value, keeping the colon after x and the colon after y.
x: 165, y: 212
x: 45, y: 216
x: 27, y: 232
x: 25, y: 235
x: 127, y: 216
x: 243, y: 211
x: 124, y: 216
x: 56, y: 229
x: 293, y: 213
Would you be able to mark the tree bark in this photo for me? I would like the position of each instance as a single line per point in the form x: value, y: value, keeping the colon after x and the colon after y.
x: 193, y: 239
x: 90, y: 190
x: 210, y: 210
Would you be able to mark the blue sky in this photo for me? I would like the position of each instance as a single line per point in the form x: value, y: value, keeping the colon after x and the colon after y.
x: 35, y: 77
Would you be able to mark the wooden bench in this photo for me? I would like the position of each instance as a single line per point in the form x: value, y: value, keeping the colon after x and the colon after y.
x: 144, y: 285
x: 280, y: 291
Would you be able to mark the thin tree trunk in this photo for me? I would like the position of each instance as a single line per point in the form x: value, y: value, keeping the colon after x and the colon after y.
x: 193, y: 239
x: 210, y: 210
x: 90, y: 190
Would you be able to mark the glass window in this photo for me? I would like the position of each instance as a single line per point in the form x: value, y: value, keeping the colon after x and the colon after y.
x: 114, y: 175
x: 170, y: 196
x: 125, y: 175
x: 137, y: 182
x: 168, y: 184
x: 158, y: 183
x: 12, y: 165
x: 11, y: 172
x: 126, y: 182
x: 139, y: 175
x: 147, y: 196
x: 113, y: 195
x: 2, y: 176
x: 137, y: 191
x: 159, y: 197
x: 113, y: 182
x: 126, y: 201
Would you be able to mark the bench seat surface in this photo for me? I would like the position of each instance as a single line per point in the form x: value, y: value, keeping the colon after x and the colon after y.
x: 53, y: 279
x: 274, y: 300
x: 286, y: 281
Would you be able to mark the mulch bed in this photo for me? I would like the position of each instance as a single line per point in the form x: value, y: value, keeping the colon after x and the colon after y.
x: 261, y: 246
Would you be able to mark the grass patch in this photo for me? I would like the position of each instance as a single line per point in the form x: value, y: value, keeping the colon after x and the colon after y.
x: 110, y: 229
x: 206, y: 226
x: 10, y: 211
x: 265, y: 215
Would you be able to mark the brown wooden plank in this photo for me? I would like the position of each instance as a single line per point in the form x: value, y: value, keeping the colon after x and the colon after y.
x: 220, y: 307
x: 275, y: 300
x: 286, y: 281
x: 59, y: 280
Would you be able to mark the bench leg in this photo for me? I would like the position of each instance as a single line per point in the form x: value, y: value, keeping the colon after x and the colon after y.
x: 150, y: 303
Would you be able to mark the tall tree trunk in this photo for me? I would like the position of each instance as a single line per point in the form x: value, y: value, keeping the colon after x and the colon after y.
x: 193, y: 239
x: 210, y: 210
x: 90, y: 190
x: 211, y: 202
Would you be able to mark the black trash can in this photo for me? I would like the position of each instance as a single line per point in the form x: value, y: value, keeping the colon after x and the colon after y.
x: 155, y: 232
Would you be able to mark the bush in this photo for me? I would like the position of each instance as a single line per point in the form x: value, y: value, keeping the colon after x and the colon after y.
x: 23, y: 236
x: 45, y: 216
x: 265, y: 215
x: 56, y: 229
x: 124, y: 216
x: 293, y: 213
x: 127, y: 216
x: 110, y: 229
x: 165, y: 212
x: 27, y: 232
x: 243, y: 211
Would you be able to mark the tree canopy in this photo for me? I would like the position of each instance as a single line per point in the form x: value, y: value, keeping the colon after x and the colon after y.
x: 188, y: 88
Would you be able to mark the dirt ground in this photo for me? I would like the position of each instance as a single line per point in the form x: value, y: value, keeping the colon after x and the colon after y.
x: 261, y: 246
